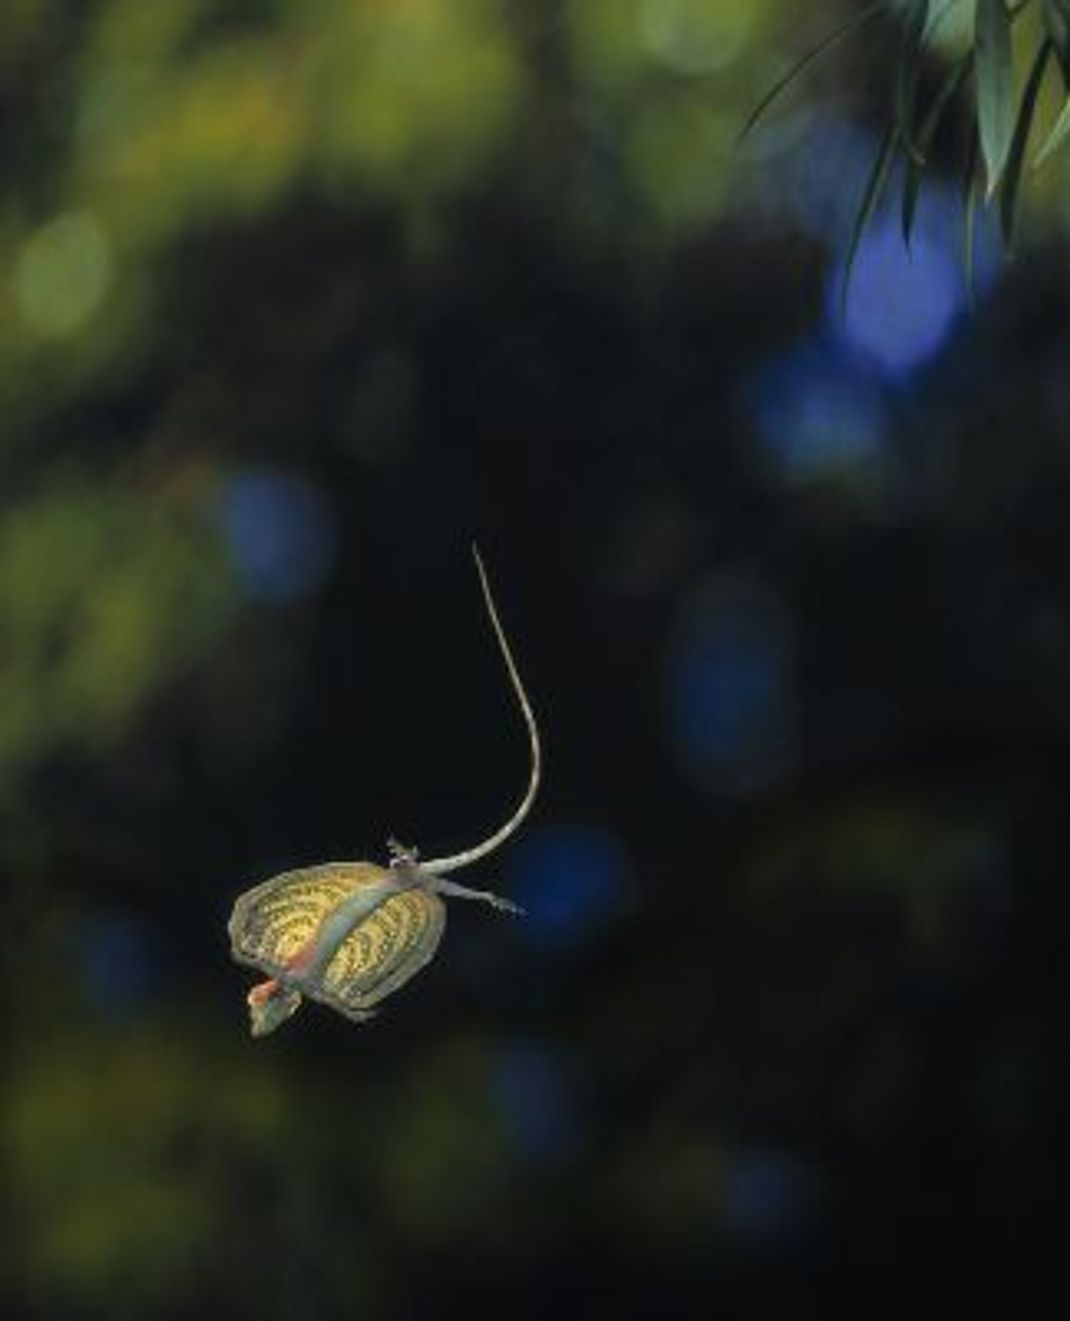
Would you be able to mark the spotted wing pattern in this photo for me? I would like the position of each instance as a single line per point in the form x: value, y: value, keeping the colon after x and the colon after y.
x: 272, y: 921
x: 382, y: 952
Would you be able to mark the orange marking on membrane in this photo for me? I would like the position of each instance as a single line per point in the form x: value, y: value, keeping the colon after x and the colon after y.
x: 300, y: 959
x: 262, y: 992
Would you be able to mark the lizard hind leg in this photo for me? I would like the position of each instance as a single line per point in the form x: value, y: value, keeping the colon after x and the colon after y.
x: 452, y: 890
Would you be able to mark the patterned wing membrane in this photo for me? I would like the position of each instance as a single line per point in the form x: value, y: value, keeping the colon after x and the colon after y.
x: 382, y: 952
x: 272, y: 921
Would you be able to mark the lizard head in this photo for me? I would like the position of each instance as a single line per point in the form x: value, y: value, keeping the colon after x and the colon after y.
x: 270, y: 1005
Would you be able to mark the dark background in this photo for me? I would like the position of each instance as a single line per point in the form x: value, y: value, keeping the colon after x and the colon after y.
x: 298, y: 299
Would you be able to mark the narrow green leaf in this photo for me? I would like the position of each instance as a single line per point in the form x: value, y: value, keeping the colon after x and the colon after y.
x: 1016, y: 156
x: 915, y: 18
x: 969, y: 215
x: 909, y: 205
x: 815, y: 52
x: 942, y: 13
x: 871, y: 196
x: 1059, y: 130
x: 995, y: 104
x: 1057, y: 26
x: 946, y: 92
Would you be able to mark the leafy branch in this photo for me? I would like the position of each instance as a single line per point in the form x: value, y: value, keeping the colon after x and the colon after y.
x: 1001, y: 121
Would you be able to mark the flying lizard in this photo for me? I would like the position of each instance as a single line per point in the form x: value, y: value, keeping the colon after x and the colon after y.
x: 348, y: 934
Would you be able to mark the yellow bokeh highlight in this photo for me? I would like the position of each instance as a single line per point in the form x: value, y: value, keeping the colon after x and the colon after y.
x: 226, y: 135
x: 669, y: 78
x: 695, y: 36
x: 617, y: 43
x: 104, y: 595
x: 62, y: 273
x: 411, y: 98
x: 400, y: 100
x: 678, y: 154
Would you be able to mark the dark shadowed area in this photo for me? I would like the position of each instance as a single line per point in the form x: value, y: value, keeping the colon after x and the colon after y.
x: 297, y: 298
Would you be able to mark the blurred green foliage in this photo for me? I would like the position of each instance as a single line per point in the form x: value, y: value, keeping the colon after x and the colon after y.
x: 107, y: 591
x: 123, y: 1153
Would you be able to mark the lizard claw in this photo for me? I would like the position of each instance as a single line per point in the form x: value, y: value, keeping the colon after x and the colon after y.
x: 507, y: 906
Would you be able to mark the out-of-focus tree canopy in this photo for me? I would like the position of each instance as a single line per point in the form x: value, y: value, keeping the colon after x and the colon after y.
x: 297, y: 297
